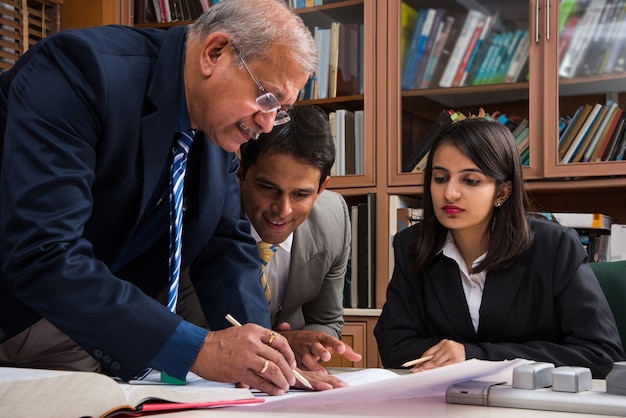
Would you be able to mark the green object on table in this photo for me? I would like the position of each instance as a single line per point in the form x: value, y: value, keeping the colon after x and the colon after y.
x: 166, y: 378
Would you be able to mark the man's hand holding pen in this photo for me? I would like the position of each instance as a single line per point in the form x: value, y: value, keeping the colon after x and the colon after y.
x: 240, y: 354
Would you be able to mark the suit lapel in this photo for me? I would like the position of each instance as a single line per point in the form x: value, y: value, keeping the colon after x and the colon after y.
x: 446, y: 281
x: 161, y: 112
x: 500, y: 290
x: 303, y: 252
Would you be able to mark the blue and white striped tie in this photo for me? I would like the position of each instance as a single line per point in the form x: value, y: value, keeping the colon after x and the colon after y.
x: 177, y: 182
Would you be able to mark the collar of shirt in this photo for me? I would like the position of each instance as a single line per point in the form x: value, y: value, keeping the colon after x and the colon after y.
x: 473, y: 284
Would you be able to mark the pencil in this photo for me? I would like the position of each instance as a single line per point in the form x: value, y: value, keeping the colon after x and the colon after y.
x: 300, y: 378
x: 417, y: 361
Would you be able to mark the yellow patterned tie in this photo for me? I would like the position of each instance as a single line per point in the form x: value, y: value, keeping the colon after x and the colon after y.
x: 266, y: 252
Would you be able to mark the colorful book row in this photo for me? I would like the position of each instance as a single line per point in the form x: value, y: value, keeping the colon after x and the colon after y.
x: 594, y: 133
x: 441, y: 48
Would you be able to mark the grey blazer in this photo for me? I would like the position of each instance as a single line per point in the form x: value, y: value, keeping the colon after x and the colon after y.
x: 321, y: 248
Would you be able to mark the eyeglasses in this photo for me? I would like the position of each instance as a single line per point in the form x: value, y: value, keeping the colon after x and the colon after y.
x: 266, y: 101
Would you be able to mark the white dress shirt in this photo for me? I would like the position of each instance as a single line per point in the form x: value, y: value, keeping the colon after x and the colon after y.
x: 473, y: 284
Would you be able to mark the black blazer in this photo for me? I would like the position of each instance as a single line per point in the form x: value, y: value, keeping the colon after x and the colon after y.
x: 88, y: 118
x: 547, y: 307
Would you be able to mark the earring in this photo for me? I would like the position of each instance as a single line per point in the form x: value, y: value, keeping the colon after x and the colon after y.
x: 498, y: 203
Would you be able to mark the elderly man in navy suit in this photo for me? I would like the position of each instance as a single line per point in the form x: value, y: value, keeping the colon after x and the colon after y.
x: 89, y: 120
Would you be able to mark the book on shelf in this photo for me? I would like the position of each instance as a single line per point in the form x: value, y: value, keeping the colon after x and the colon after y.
x: 600, y: 43
x: 566, y: 35
x: 473, y: 20
x: 443, y: 120
x: 416, y: 46
x: 349, y: 60
x: 334, y: 59
x: 349, y: 140
x: 499, y: 65
x: 606, y: 135
x: 482, y: 31
x: 332, y: 122
x: 359, y: 142
x: 572, y: 129
x: 396, y: 204
x: 618, y: 152
x: 480, y: 53
x: 322, y: 41
x: 435, y: 30
x: 617, y: 53
x: 438, y: 48
x: 342, y: 127
x: 448, y: 46
x: 565, y: 8
x: 589, y: 136
x: 613, y: 143
x: 582, y: 133
x: 409, y: 18
x: 494, y: 46
x: 144, y: 12
x: 36, y: 392
x: 566, y: 135
x: 581, y: 39
x: 519, y: 59
x: 519, y: 128
x: 592, y: 150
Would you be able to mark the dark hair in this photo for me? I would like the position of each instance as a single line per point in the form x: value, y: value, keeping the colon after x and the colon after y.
x: 491, y: 146
x: 306, y: 137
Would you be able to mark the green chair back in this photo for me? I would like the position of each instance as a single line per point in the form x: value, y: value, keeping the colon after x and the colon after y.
x: 612, y: 278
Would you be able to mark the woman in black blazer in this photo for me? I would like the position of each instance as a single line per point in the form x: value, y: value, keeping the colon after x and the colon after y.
x: 480, y: 278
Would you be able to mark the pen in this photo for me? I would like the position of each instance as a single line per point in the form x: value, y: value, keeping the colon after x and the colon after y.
x: 417, y: 361
x: 300, y: 378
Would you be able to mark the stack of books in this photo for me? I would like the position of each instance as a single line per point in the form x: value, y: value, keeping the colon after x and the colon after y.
x: 594, y: 133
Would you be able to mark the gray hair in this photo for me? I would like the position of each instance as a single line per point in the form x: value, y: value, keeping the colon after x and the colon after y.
x: 256, y: 25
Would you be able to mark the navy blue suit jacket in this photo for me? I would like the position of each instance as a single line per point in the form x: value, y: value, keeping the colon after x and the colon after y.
x: 548, y: 306
x: 88, y: 118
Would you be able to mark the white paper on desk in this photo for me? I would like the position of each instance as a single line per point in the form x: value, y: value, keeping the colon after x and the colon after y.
x: 373, y: 385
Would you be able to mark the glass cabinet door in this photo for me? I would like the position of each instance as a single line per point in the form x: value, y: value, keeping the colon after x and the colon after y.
x: 344, y: 84
x: 451, y: 59
x: 586, y: 137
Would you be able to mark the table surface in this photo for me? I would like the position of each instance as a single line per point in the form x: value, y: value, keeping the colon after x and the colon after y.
x: 432, y: 406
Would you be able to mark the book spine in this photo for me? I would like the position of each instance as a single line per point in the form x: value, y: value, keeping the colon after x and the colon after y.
x: 410, y: 63
x: 465, y: 37
x: 609, y: 133
x: 468, y: 53
x: 435, y: 31
x: 518, y: 60
x: 437, y: 50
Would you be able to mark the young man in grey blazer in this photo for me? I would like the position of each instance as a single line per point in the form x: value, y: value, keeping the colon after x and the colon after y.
x: 283, y: 179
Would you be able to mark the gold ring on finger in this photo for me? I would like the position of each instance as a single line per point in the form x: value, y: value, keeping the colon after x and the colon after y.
x: 272, y: 336
x: 266, y: 365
